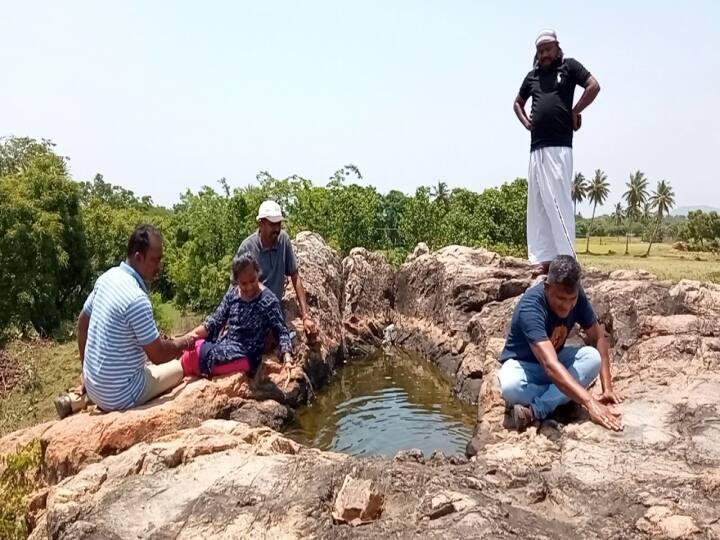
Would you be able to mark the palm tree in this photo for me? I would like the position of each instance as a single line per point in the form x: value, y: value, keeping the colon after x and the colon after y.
x: 635, y: 198
x: 579, y: 190
x: 618, y: 216
x: 441, y: 193
x: 662, y: 200
x: 647, y: 213
x: 597, y: 192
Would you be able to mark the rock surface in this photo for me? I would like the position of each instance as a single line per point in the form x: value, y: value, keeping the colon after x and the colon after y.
x: 224, y: 479
x: 358, y: 502
x: 184, y: 468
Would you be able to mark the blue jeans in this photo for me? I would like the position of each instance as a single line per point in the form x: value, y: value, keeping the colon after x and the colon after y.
x: 527, y: 383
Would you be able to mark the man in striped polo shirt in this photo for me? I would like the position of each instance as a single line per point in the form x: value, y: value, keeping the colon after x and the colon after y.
x: 117, y: 335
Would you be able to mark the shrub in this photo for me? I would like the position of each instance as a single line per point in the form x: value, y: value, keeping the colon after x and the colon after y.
x: 19, y: 479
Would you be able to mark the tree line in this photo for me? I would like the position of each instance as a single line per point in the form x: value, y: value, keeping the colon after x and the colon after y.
x: 58, y: 235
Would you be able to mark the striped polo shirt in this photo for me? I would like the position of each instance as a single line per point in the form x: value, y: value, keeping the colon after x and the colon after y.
x: 121, y: 323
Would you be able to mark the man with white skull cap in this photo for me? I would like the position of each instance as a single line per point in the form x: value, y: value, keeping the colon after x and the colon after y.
x: 552, y: 121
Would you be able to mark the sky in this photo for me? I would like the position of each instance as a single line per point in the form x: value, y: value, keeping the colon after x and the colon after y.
x: 161, y: 97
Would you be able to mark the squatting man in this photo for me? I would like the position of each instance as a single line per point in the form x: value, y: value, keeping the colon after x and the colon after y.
x: 538, y: 372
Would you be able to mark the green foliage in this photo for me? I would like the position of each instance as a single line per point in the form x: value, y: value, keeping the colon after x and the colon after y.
x: 702, y: 228
x: 116, y: 197
x: 579, y: 190
x: 50, y: 262
x: 19, y: 479
x: 163, y: 321
x: 597, y: 191
x: 208, y: 229
x: 43, y: 250
x: 662, y: 201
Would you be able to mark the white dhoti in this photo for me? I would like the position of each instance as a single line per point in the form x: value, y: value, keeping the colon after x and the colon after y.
x: 550, y: 216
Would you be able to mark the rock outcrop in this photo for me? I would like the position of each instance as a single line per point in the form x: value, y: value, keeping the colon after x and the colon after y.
x: 196, y: 464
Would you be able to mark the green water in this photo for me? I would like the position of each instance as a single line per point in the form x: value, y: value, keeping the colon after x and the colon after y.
x: 378, y: 405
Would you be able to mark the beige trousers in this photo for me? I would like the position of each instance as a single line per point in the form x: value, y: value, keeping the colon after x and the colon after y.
x: 159, y: 378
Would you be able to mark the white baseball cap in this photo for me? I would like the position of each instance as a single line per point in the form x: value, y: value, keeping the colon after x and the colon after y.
x: 546, y: 36
x: 271, y: 211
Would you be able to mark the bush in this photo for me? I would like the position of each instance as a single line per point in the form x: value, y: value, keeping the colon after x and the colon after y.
x: 164, y: 323
x: 19, y: 479
x: 395, y: 257
x: 44, y: 266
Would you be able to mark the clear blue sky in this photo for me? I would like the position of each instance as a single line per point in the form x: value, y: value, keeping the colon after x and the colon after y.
x: 164, y: 96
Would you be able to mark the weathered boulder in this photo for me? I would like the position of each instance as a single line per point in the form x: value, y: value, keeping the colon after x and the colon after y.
x: 566, y: 478
x: 321, y: 270
x: 224, y: 479
x: 448, y: 286
x: 256, y: 413
x: 420, y: 250
x: 88, y: 437
x: 367, y: 301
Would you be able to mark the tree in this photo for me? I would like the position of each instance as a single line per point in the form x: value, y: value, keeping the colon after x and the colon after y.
x: 635, y: 198
x: 225, y: 186
x: 662, y: 200
x: 597, y: 192
x: 618, y: 216
x: 647, y: 213
x: 344, y: 172
x: 579, y: 190
x: 100, y: 191
x: 208, y: 228
x: 440, y: 194
x: 16, y: 153
x: 44, y: 268
x: 419, y: 220
x: 393, y: 207
x: 356, y: 217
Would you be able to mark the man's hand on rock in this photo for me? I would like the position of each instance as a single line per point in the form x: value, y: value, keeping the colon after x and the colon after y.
x: 604, y: 415
x: 610, y: 397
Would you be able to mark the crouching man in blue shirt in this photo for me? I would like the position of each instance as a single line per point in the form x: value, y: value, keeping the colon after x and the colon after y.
x: 538, y: 372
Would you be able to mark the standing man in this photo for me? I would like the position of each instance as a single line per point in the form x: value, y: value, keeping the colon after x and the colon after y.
x: 273, y: 251
x: 551, y: 84
x: 124, y: 360
x: 538, y: 372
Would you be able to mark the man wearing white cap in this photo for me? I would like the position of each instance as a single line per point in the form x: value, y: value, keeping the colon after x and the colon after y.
x: 274, y: 253
x: 551, y: 84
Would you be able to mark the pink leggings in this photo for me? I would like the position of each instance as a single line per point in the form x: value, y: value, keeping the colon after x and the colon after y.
x: 190, y: 361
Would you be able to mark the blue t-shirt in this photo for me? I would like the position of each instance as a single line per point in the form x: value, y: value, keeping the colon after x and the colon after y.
x: 533, y: 322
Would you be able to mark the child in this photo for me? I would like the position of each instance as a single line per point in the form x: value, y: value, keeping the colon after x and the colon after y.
x: 251, y: 311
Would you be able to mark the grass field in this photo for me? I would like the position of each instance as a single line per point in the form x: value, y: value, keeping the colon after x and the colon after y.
x: 607, y: 253
x: 49, y: 367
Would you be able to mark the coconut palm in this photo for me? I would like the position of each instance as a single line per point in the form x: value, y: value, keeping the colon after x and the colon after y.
x: 441, y: 193
x: 579, y: 190
x: 635, y: 198
x: 647, y: 213
x: 662, y: 200
x: 597, y: 192
x: 618, y: 216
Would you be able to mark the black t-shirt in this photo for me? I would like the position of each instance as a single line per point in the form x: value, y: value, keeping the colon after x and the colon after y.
x: 552, y: 90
